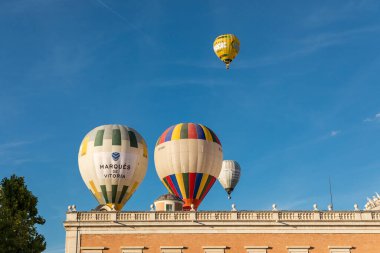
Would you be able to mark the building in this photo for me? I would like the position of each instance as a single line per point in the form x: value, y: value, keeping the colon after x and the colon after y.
x: 223, y: 231
x: 168, y: 202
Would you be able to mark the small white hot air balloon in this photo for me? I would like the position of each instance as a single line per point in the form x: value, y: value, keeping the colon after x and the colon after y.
x: 113, y: 160
x: 229, y: 176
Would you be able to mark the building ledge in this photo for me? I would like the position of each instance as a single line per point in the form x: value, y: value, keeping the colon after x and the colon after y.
x: 222, y: 216
x: 132, y: 247
x: 341, y: 247
x: 172, y: 247
x: 93, y: 248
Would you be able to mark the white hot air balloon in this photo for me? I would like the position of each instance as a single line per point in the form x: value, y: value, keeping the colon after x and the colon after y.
x: 188, y: 158
x: 229, y: 176
x: 113, y: 160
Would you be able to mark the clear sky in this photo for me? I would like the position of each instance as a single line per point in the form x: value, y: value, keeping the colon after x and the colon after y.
x: 300, y: 103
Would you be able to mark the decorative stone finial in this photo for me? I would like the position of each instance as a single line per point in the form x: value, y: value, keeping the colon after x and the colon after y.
x: 356, y: 207
x: 192, y: 207
x: 315, y: 207
x: 151, y: 207
x: 233, y: 208
x: 71, y: 208
x: 274, y: 207
x: 330, y: 207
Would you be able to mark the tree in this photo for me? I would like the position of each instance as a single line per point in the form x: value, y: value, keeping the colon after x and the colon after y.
x: 18, y: 217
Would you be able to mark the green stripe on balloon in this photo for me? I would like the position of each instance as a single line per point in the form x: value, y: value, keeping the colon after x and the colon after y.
x: 99, y: 138
x: 214, y: 138
x: 185, y: 177
x: 168, y: 185
x: 123, y: 191
x: 104, y: 192
x: 132, y: 139
x: 114, y: 191
x: 116, y: 137
x: 184, y: 131
x: 206, y: 185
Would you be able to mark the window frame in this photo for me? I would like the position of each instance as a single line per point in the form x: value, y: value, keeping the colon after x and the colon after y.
x: 256, y: 249
x: 167, y: 209
x: 96, y: 249
x: 171, y: 249
x: 340, y: 249
x: 214, y: 249
x: 132, y: 249
x: 298, y: 249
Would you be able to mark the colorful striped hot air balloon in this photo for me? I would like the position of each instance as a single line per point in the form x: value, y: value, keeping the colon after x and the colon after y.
x: 113, y: 160
x: 188, y: 159
x: 229, y: 175
x: 226, y: 47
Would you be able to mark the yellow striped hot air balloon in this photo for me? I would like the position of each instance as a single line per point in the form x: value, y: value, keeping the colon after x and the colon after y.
x: 113, y: 160
x: 226, y: 47
x: 188, y: 159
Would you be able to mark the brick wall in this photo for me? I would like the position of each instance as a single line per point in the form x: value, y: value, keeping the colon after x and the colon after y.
x: 362, y: 243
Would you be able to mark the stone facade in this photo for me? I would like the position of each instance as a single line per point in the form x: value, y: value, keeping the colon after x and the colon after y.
x: 223, y: 232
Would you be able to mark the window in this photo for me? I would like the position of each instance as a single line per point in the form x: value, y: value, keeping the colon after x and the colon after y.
x: 340, y: 249
x: 298, y: 249
x: 92, y: 249
x: 171, y: 249
x: 256, y: 249
x: 168, y: 207
x: 214, y: 249
x: 132, y: 249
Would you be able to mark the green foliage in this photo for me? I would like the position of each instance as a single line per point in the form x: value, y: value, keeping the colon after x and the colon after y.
x: 18, y: 217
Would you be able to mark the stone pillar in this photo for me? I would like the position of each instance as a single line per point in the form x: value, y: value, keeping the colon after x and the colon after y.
x: 72, y: 234
x: 72, y: 241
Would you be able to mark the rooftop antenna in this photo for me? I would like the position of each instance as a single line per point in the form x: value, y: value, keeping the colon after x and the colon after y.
x: 331, y: 196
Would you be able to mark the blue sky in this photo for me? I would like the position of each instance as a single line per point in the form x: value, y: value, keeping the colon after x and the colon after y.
x: 300, y: 103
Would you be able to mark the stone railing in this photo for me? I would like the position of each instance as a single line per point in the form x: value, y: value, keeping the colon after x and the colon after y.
x: 242, y: 216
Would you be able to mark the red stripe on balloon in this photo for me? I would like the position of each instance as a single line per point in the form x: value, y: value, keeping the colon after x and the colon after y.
x: 172, y: 187
x: 192, y: 177
x: 162, y: 138
x: 192, y: 131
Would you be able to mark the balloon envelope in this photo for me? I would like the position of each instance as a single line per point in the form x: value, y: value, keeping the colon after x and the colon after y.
x: 113, y: 161
x: 229, y: 175
x: 188, y: 158
x: 226, y: 47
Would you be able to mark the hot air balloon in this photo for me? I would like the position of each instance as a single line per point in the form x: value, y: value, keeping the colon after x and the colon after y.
x: 188, y: 159
x: 226, y: 47
x: 113, y: 160
x: 229, y: 176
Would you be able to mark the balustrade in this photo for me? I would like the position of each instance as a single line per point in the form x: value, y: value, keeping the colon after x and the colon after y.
x: 242, y: 216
